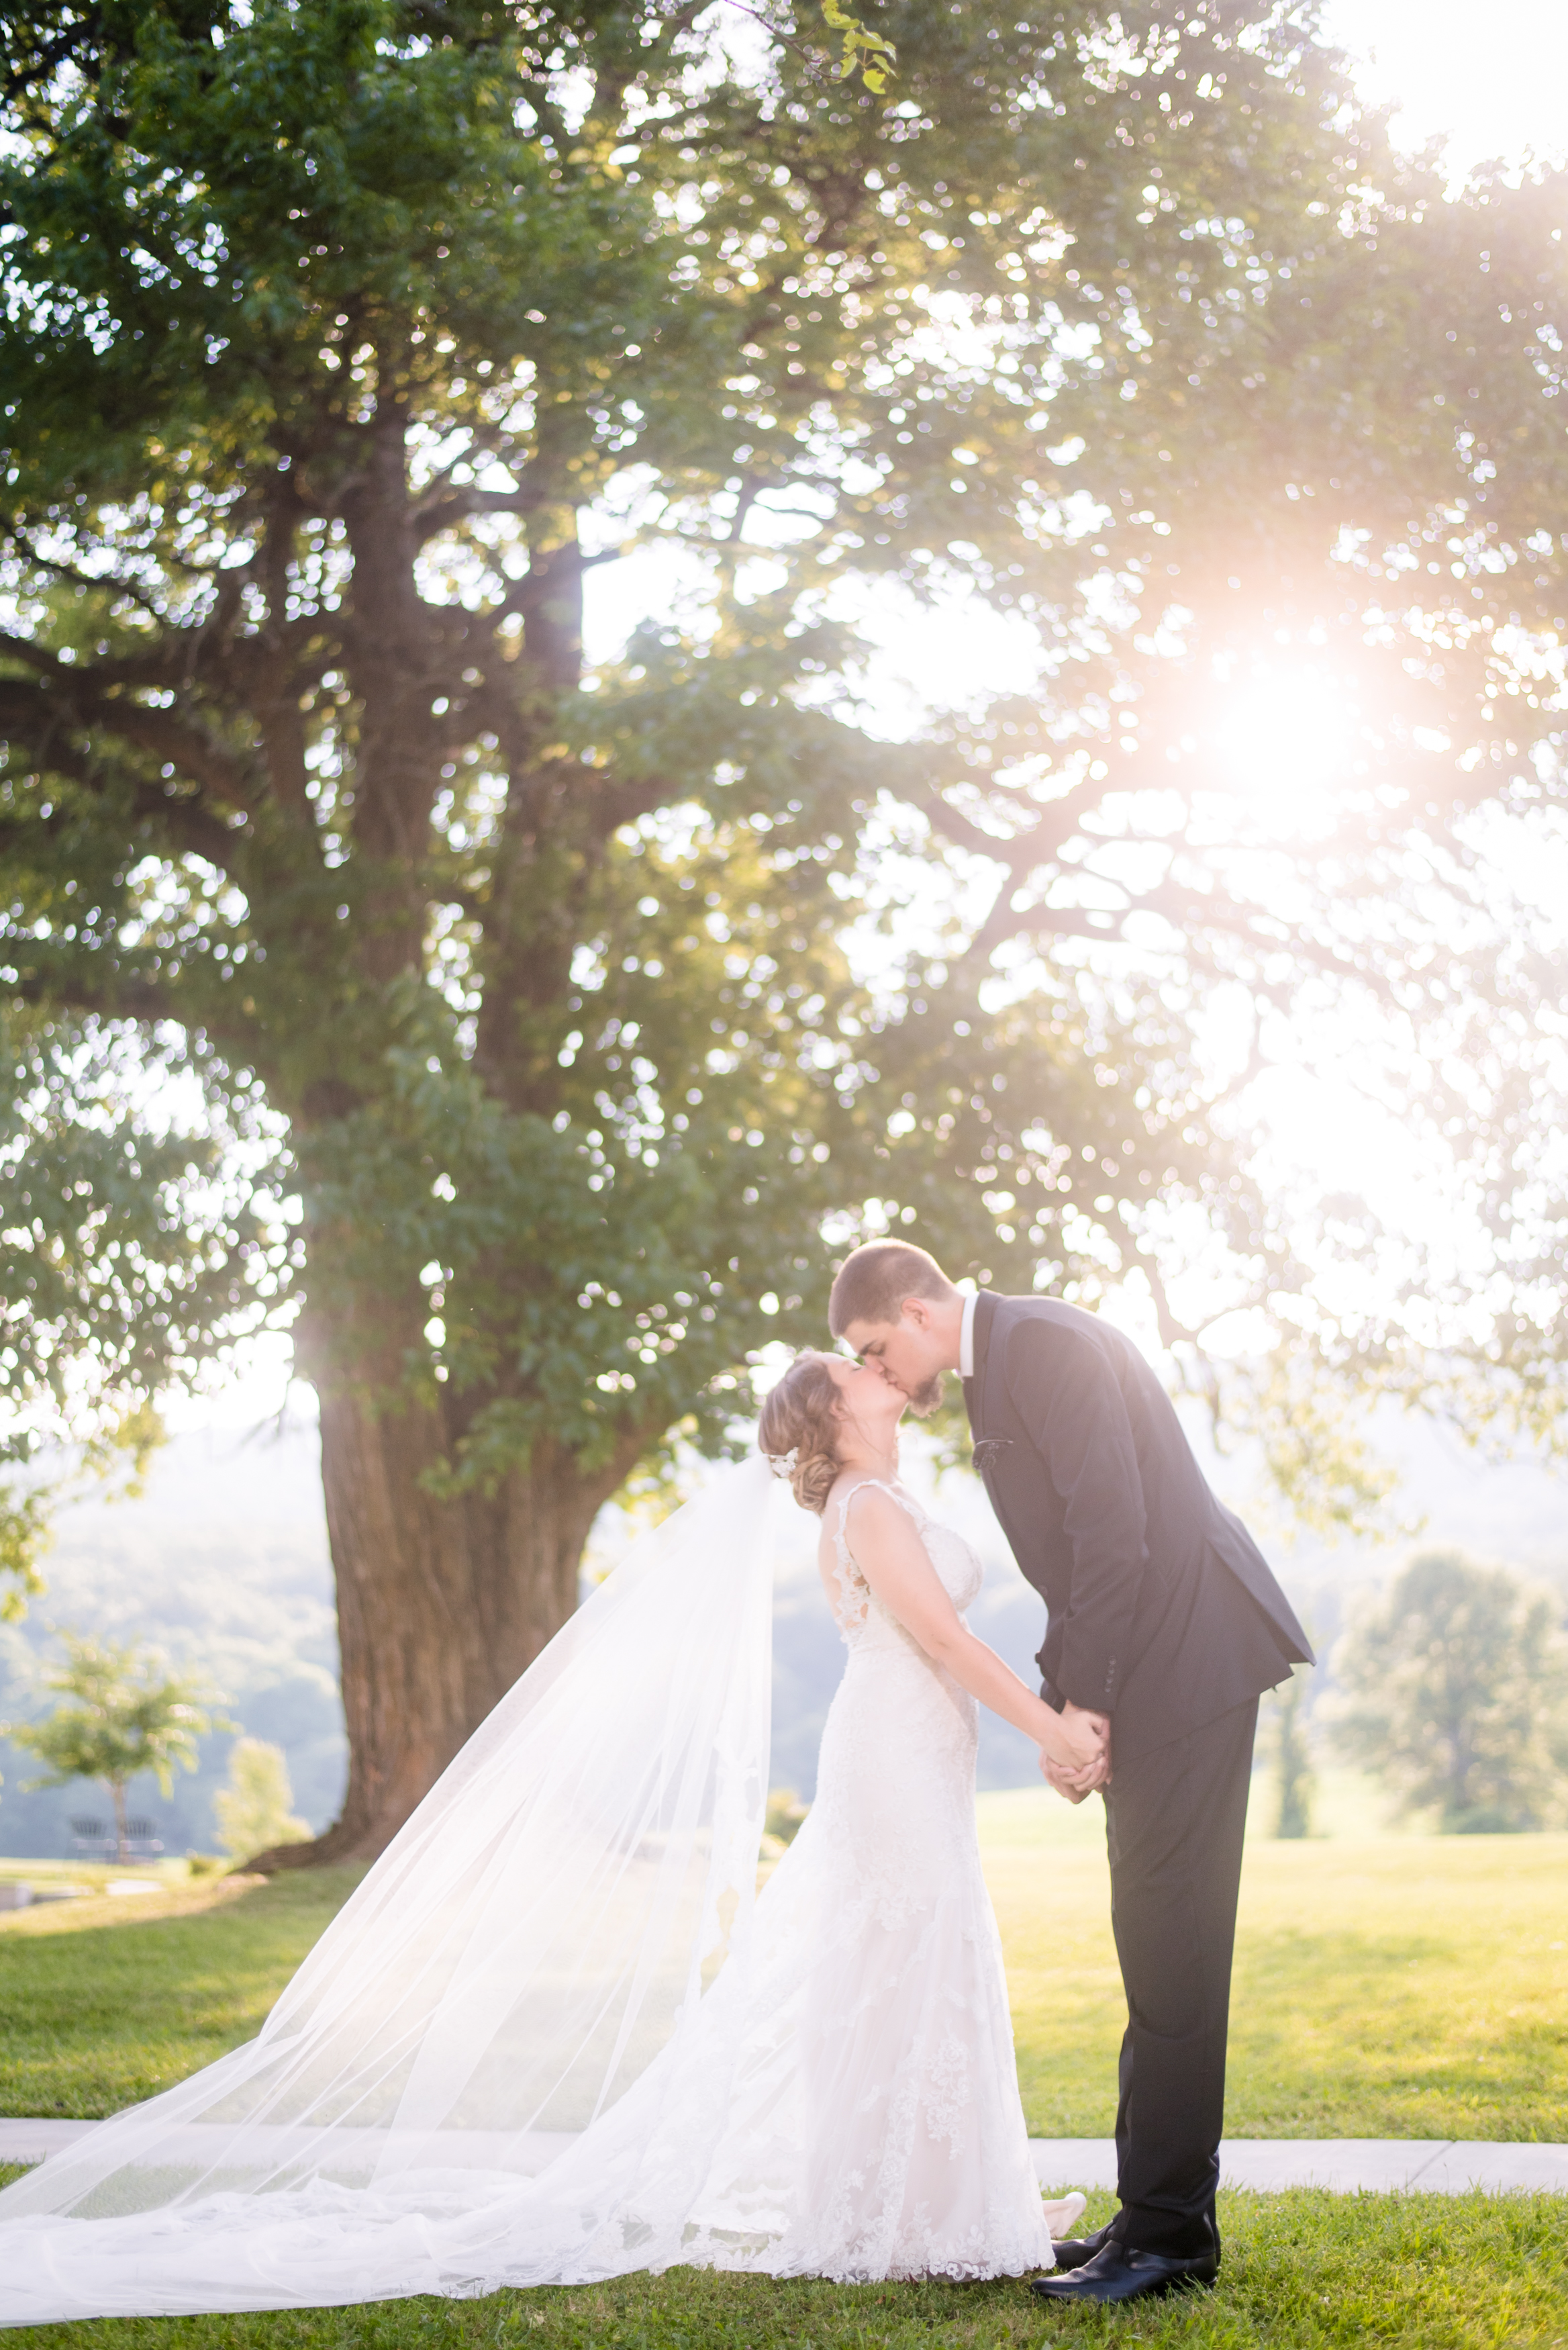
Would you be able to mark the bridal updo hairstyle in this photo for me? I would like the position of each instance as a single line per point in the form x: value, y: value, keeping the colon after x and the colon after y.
x: 799, y: 1415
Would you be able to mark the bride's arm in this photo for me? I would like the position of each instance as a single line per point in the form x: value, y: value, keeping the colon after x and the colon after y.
x: 893, y: 1559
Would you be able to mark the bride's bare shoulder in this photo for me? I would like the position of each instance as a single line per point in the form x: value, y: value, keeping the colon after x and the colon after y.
x: 841, y: 1526
x: 872, y: 1501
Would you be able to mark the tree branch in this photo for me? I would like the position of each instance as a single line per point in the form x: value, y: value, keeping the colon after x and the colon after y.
x: 111, y: 584
x: 50, y: 736
x: 965, y: 834
x: 130, y: 999
x: 463, y: 503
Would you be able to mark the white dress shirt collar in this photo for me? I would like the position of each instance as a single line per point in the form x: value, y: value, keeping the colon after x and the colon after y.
x: 966, y: 1335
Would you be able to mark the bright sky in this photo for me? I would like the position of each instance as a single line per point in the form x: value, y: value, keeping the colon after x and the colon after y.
x: 1491, y: 81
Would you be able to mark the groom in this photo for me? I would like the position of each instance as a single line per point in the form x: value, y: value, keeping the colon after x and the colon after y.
x: 1164, y: 1627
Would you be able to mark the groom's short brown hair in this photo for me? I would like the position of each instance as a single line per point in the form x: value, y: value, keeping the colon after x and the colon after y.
x: 873, y: 1283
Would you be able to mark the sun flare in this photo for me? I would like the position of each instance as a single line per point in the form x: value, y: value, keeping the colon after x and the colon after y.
x: 1285, y: 742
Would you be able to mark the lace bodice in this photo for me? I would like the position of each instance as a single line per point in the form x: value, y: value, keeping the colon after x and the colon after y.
x: 861, y: 1617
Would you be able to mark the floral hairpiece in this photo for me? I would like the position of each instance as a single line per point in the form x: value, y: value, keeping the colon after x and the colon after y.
x: 785, y: 1464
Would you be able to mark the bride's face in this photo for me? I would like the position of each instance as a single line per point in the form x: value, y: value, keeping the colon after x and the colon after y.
x: 867, y: 1398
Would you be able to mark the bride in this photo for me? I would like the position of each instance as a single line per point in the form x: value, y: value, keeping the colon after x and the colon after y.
x: 556, y: 2035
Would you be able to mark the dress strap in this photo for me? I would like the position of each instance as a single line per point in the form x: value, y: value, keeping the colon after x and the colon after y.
x: 878, y: 1484
x: 881, y: 1485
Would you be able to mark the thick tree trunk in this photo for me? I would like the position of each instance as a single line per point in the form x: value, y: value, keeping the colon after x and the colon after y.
x: 441, y: 1604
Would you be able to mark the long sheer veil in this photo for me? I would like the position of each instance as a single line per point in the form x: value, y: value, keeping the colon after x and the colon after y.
x: 506, y: 2061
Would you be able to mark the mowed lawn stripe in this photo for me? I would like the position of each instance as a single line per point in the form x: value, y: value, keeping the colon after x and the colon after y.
x: 1405, y: 1987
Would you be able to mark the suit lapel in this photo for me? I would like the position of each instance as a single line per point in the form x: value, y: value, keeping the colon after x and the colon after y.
x: 985, y: 1308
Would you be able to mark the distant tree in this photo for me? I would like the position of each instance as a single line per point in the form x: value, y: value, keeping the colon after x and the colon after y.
x: 253, y: 1809
x: 1294, y: 1778
x: 1453, y: 1692
x: 125, y: 1715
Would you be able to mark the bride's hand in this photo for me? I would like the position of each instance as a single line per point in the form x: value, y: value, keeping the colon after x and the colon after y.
x: 1072, y: 1785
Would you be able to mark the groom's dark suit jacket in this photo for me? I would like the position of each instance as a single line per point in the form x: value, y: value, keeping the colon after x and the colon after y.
x: 1162, y: 1612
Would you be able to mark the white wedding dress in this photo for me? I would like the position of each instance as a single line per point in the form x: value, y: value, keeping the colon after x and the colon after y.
x: 556, y: 2035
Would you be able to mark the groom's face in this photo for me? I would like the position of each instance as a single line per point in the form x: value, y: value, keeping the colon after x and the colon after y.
x: 906, y: 1352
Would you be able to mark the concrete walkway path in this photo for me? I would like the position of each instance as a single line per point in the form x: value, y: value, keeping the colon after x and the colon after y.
x: 1379, y: 2165
x: 1383, y: 2165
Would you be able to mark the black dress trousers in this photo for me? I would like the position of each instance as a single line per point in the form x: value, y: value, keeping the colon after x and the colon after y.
x: 1174, y: 1822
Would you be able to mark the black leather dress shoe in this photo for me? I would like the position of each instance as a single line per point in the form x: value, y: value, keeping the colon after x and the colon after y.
x: 1076, y: 2251
x: 1115, y: 2273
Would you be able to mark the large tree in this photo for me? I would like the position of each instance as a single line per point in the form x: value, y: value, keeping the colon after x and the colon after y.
x: 578, y: 1007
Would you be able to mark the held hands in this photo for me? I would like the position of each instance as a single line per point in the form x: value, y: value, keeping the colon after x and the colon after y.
x: 1079, y: 1757
x: 1073, y: 1784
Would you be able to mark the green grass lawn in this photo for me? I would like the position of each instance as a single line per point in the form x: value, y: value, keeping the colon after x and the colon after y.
x: 1302, y: 2271
x: 102, y: 2009
x: 1399, y: 1987
x: 1395, y: 1986
x: 1392, y: 1986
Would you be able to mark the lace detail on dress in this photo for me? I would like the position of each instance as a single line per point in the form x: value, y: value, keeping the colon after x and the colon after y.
x: 855, y: 1595
x: 854, y: 1591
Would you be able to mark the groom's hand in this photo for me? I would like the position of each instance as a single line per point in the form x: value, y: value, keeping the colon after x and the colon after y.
x: 1087, y: 1764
